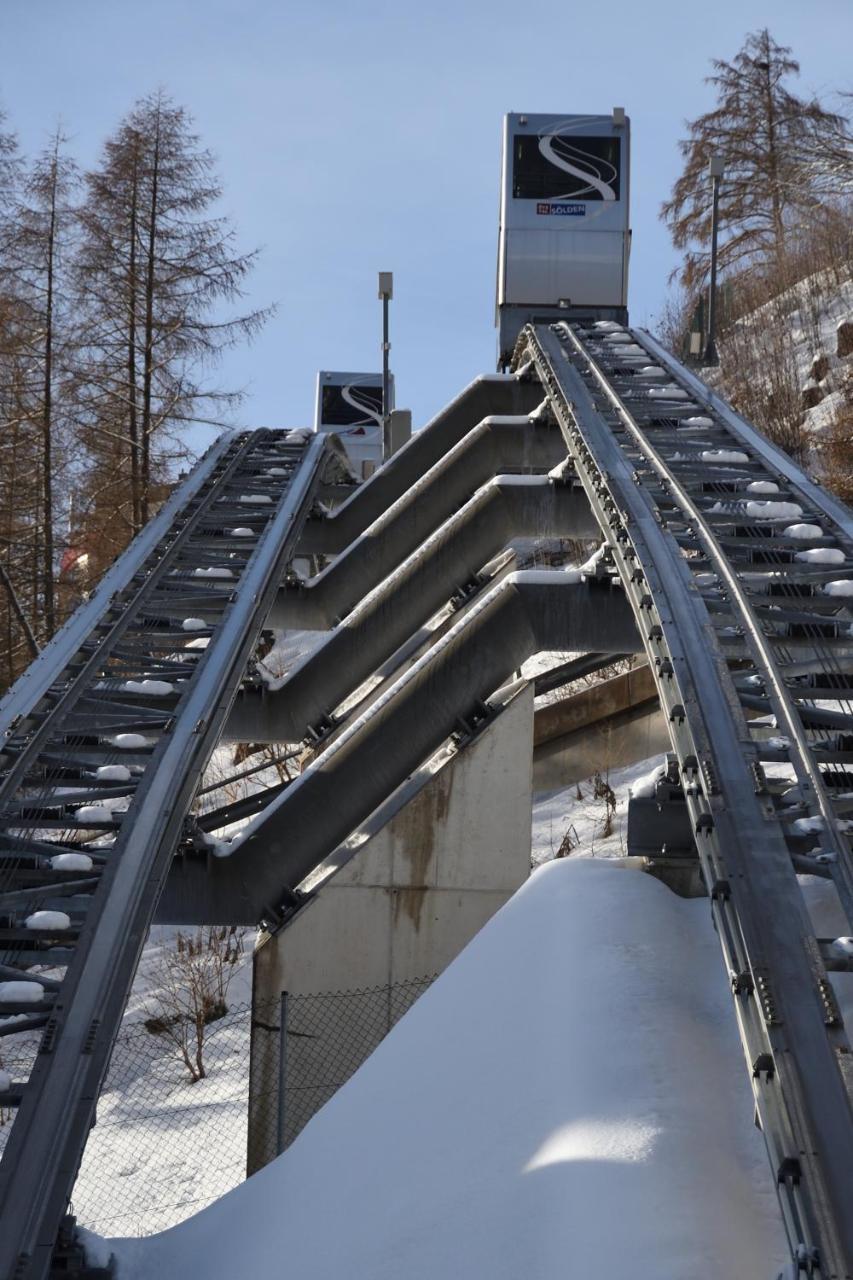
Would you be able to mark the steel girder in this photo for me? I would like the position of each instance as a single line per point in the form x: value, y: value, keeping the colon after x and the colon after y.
x: 125, y: 681
x: 520, y: 615
x: 679, y: 489
x: 516, y: 395
x: 395, y: 606
x: 496, y: 445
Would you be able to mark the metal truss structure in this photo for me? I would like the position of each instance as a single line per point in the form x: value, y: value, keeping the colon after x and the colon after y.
x: 723, y: 561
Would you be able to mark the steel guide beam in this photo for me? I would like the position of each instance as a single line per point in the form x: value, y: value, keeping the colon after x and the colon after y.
x: 794, y: 1042
x: 394, y: 607
x: 520, y: 614
x: 101, y: 949
x: 738, y: 603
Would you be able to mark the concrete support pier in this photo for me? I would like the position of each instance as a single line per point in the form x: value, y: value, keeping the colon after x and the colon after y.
x: 413, y: 896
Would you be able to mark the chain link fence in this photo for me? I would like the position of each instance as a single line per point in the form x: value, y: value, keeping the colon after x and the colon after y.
x: 328, y: 1037
x: 164, y: 1146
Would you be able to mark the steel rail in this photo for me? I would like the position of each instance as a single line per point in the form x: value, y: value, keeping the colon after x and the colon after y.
x: 783, y: 707
x: 81, y: 680
x: 32, y: 685
x: 790, y: 1027
x: 57, y: 1108
x: 771, y: 454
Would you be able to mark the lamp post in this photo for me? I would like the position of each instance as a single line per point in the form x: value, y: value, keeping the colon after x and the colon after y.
x: 716, y: 170
x: 386, y: 293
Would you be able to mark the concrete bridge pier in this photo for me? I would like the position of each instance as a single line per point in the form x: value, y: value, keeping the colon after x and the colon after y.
x: 404, y: 907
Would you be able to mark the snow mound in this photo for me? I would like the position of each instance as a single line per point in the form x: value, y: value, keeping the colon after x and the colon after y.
x: 724, y: 455
x: 762, y: 486
x: 128, y: 741
x: 773, y: 510
x: 256, y: 499
x: 698, y: 420
x: 193, y: 624
x: 103, y: 810
x: 536, y: 1114
x: 644, y: 788
x: 822, y: 555
x: 242, y: 532
x: 807, y: 826
x: 21, y: 992
x: 152, y: 688
x: 842, y: 587
x: 71, y: 862
x: 53, y: 921
x: 112, y: 773
x: 213, y: 572
x: 805, y: 531
x: 94, y: 813
x: 667, y: 393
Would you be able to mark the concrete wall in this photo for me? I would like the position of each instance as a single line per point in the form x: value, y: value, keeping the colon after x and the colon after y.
x: 606, y: 726
x: 412, y: 897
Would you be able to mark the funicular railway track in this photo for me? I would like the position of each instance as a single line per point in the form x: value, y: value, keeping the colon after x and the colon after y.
x: 103, y: 748
x: 737, y: 567
x: 738, y: 570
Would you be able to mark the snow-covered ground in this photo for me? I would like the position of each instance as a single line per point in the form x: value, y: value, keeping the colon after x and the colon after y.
x: 785, y: 337
x: 583, y: 815
x: 163, y: 1148
x: 144, y: 1169
x: 568, y: 1099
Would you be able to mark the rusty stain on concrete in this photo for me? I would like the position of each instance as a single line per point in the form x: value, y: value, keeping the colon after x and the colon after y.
x: 416, y: 843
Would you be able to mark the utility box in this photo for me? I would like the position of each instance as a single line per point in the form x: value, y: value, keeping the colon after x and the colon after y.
x: 564, y: 238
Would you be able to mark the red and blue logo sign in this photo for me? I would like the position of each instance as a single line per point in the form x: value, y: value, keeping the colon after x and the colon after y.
x: 563, y: 208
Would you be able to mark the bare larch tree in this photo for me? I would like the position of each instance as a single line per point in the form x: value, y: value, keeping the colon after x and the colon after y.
x: 768, y: 139
x: 38, y: 243
x: 157, y: 271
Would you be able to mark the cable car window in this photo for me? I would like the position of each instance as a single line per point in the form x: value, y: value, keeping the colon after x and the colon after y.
x: 565, y: 167
x: 351, y: 406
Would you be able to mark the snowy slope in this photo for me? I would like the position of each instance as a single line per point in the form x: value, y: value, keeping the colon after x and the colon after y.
x: 577, y: 810
x: 788, y: 346
x: 142, y: 1171
x: 568, y: 1099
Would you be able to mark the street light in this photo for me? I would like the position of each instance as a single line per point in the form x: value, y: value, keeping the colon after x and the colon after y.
x: 716, y: 169
x: 386, y: 293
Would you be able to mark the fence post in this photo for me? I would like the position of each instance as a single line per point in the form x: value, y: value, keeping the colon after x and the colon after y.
x: 282, y: 1074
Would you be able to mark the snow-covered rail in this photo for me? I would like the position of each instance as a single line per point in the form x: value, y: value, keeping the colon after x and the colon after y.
x: 105, y: 741
x: 739, y: 569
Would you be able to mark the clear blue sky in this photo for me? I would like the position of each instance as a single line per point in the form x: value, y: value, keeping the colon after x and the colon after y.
x: 354, y: 137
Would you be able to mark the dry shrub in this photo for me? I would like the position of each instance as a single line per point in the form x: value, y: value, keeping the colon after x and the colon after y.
x: 192, y: 981
x: 836, y: 454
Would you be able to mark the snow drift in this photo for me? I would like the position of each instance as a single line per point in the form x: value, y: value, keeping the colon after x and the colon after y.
x: 568, y: 1099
